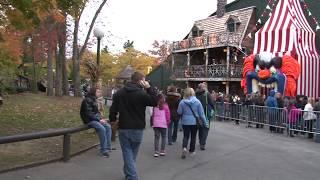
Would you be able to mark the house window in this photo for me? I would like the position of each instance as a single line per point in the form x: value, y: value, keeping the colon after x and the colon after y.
x: 231, y: 25
x: 196, y: 32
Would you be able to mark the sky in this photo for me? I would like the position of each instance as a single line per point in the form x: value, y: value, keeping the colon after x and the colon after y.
x: 144, y: 21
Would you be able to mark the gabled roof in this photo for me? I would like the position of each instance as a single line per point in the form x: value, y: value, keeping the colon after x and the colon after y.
x: 126, y: 73
x: 234, y: 18
x: 213, y: 24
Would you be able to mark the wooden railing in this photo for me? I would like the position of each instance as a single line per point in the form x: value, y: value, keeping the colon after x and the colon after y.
x: 207, y: 41
x: 212, y: 71
x: 65, y: 132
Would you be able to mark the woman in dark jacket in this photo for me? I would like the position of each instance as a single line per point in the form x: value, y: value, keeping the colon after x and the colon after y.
x: 90, y: 115
x: 173, y: 99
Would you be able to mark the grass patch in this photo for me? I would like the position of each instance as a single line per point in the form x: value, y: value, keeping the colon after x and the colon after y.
x: 24, y: 113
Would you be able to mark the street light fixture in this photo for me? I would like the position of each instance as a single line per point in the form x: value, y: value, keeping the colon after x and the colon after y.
x: 34, y: 81
x: 98, y: 33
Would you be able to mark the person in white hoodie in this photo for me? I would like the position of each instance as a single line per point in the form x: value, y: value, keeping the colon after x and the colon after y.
x: 309, y: 117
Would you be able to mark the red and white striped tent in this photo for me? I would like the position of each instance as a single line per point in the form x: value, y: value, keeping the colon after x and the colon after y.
x: 287, y: 31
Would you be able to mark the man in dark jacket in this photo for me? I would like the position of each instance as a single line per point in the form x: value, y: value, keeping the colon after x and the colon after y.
x: 90, y: 115
x: 204, y: 97
x: 130, y: 103
x: 173, y: 99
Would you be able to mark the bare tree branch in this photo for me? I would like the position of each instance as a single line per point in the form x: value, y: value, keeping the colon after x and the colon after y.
x: 91, y: 27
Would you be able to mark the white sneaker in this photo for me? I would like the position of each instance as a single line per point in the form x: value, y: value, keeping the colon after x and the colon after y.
x: 156, y: 154
x: 193, y: 153
x: 184, y: 153
x: 162, y: 153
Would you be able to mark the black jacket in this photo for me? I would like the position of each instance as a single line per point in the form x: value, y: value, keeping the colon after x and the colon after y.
x: 130, y: 103
x: 173, y: 100
x: 89, y: 110
x: 206, y: 100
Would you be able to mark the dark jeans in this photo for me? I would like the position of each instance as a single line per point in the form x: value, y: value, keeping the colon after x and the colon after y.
x: 173, y: 130
x: 130, y: 140
x: 189, y: 130
x: 159, y: 132
x: 203, y: 134
x: 272, y: 121
x: 309, y: 127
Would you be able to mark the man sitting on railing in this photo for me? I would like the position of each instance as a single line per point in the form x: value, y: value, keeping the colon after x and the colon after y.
x: 90, y: 115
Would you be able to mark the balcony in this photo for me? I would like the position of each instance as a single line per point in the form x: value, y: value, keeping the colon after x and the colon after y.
x: 208, y: 41
x: 213, y: 72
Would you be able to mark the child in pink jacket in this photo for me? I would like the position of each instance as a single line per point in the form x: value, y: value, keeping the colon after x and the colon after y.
x: 293, y: 116
x: 160, y: 122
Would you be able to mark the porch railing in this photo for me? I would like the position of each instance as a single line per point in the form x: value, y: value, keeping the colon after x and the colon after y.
x: 211, y: 71
x: 211, y: 40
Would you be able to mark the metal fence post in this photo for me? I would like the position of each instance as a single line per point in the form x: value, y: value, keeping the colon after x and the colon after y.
x: 66, y: 147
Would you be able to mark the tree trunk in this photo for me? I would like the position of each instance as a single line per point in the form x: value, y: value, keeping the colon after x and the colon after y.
x: 58, y: 89
x: 49, y: 70
x: 62, y: 36
x: 75, y: 60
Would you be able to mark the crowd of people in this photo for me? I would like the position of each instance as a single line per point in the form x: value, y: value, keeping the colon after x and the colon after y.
x: 194, y: 110
x: 296, y: 114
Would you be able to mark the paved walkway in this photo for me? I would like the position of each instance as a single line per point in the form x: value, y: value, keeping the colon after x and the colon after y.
x: 233, y: 153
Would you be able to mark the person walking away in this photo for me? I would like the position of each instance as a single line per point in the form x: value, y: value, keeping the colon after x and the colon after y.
x: 272, y: 104
x: 173, y: 98
x: 309, y: 117
x: 190, y: 109
x: 160, y: 123
x: 130, y: 103
x: 90, y: 115
x: 204, y: 97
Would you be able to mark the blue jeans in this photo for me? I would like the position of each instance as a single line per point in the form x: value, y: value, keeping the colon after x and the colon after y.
x: 130, y: 140
x: 173, y: 130
x: 104, y: 133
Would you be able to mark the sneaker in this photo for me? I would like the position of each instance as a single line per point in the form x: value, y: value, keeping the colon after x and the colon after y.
x: 105, y: 154
x: 156, y: 154
x: 202, y: 147
x: 170, y: 143
x: 192, y: 153
x: 162, y: 153
x: 184, y: 153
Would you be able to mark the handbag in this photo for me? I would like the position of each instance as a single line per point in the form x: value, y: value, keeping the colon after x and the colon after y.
x: 199, y: 121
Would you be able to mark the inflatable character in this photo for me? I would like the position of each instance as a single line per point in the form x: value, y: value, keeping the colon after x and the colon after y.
x: 265, y: 71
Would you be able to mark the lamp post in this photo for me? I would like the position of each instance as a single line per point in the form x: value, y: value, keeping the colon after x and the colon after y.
x: 34, y: 81
x: 98, y: 33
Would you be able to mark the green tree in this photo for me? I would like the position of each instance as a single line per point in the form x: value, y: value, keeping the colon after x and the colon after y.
x: 8, y: 71
x: 128, y: 45
x: 105, y: 50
